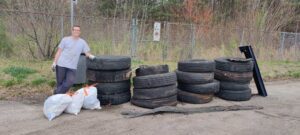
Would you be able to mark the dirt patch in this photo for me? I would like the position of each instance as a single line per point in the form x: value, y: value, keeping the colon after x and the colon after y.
x: 25, y: 94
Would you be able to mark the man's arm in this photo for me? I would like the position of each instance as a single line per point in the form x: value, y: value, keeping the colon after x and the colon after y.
x: 57, y: 55
x: 89, y: 55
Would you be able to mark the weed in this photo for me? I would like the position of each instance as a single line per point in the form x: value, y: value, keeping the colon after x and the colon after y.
x: 38, y: 81
x: 9, y: 83
x: 294, y: 74
x: 51, y: 83
x: 19, y: 73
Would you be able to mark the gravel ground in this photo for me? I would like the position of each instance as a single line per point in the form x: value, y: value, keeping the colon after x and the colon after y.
x: 281, y: 115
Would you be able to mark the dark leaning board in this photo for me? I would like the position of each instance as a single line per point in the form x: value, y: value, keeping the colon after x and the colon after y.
x: 247, y: 50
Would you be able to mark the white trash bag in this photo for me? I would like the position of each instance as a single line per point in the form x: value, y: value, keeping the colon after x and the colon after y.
x: 77, y: 101
x: 55, y: 105
x: 90, y: 98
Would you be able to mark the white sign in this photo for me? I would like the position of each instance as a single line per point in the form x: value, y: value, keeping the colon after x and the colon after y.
x: 156, y: 32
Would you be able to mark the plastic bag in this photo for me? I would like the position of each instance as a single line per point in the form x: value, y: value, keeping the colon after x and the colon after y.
x: 55, y: 105
x: 77, y: 101
x: 90, y: 98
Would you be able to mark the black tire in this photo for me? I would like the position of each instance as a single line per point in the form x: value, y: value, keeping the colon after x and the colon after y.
x: 109, y: 63
x: 114, y: 99
x: 229, y: 64
x: 194, y: 78
x: 208, y: 88
x: 154, y: 103
x: 242, y: 77
x: 193, y: 98
x: 154, y: 81
x: 234, y: 86
x: 155, y: 93
x: 112, y: 88
x: 151, y: 70
x: 108, y: 76
x: 234, y: 95
x: 196, y: 65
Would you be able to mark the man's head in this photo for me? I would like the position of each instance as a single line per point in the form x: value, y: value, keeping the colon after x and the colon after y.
x: 76, y: 31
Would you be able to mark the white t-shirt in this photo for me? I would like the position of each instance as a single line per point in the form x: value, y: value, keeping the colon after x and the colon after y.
x: 71, y: 50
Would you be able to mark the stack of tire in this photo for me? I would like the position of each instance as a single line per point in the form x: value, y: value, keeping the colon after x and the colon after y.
x: 196, y: 82
x: 112, y: 75
x: 154, y: 86
x: 234, y: 75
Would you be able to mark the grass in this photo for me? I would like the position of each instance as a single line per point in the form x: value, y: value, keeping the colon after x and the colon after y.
x: 51, y: 83
x: 38, y: 73
x: 40, y: 80
x: 279, y: 69
x: 19, y: 73
x: 294, y: 74
x: 8, y: 83
x: 14, y: 72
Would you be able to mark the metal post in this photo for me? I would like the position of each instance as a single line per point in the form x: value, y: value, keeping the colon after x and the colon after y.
x: 72, y: 13
x: 242, y: 40
x: 62, y: 26
x: 192, y: 41
x: 164, y: 51
x: 296, y: 34
x: 282, y: 44
x: 133, y: 37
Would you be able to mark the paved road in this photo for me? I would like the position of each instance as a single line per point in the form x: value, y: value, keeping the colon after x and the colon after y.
x: 281, y: 115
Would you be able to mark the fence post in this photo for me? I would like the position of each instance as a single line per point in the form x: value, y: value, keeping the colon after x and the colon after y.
x: 296, y: 38
x: 193, y: 42
x: 282, y: 44
x: 242, y: 40
x: 133, y: 37
x: 62, y: 27
x: 72, y: 13
x: 165, y: 42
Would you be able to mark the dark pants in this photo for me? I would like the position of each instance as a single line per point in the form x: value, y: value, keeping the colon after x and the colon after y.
x: 65, y: 78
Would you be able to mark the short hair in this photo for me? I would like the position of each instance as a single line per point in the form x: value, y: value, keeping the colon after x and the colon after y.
x: 75, y: 26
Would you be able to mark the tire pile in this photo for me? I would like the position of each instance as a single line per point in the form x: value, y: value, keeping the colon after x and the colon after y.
x: 234, y: 75
x: 196, y: 82
x: 112, y: 75
x: 154, y: 87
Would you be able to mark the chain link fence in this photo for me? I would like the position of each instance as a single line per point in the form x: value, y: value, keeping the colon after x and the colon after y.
x: 178, y: 41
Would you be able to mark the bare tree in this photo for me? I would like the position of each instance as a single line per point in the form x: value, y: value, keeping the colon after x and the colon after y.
x: 39, y: 23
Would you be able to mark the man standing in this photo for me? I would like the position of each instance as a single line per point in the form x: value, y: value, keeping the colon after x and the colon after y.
x: 66, y: 59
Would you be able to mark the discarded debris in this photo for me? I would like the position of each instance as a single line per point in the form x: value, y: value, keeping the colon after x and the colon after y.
x: 173, y: 109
